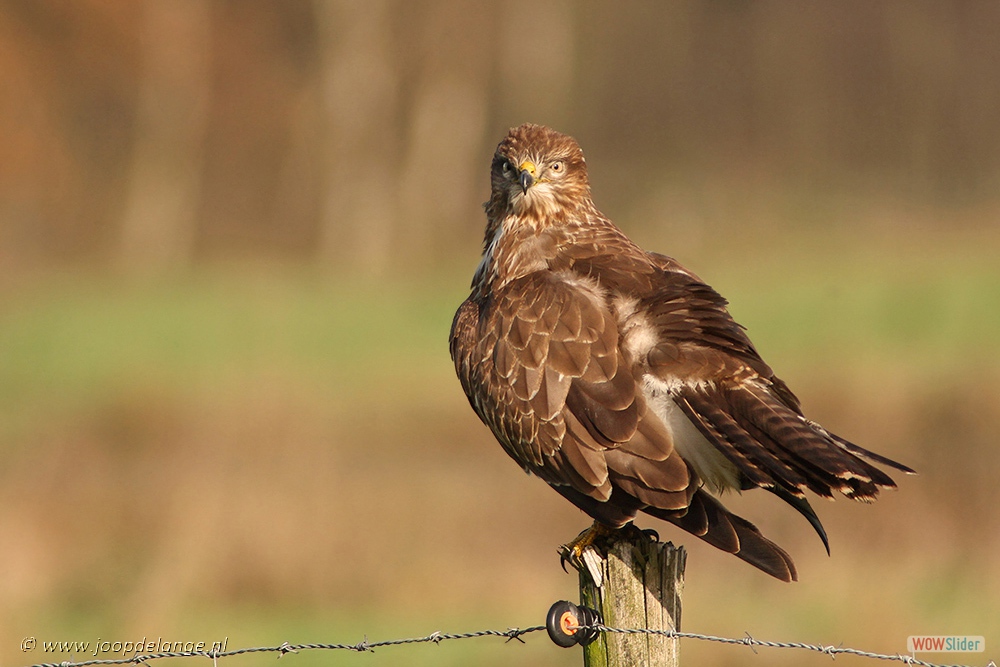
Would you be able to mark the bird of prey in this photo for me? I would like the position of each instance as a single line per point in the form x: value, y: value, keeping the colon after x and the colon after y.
x: 619, y: 377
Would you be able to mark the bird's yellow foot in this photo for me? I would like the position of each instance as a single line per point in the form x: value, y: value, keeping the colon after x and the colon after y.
x: 599, y: 535
x: 572, y: 552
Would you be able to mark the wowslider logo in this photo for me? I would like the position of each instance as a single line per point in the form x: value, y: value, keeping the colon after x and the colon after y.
x: 945, y: 644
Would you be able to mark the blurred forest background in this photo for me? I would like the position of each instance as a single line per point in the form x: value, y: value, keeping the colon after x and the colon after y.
x: 233, y: 234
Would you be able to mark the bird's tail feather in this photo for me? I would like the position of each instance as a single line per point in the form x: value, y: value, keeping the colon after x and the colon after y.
x: 861, y: 451
x: 708, y: 519
x: 803, y: 507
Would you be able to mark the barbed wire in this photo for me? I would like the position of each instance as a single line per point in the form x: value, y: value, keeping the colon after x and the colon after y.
x: 509, y: 634
x: 285, y: 648
x: 747, y: 640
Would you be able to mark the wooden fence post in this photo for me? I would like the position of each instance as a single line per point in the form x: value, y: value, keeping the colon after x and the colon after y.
x: 638, y: 584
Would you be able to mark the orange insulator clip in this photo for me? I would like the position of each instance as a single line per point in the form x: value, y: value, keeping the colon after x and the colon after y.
x: 569, y: 624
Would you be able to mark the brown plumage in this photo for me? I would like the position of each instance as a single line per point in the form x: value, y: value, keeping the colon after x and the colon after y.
x: 619, y: 377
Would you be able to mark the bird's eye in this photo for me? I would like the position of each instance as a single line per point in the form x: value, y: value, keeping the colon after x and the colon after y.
x: 507, y: 167
x: 557, y: 166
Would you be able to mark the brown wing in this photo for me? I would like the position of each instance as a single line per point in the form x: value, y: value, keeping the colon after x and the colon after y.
x: 541, y: 365
x: 716, y: 377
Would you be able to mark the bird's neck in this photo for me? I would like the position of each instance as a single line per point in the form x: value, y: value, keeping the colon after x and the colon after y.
x: 519, y: 244
x: 503, y: 259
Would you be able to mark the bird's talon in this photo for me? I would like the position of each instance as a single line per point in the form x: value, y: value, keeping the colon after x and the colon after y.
x: 572, y: 552
x: 651, y: 534
x: 563, y: 558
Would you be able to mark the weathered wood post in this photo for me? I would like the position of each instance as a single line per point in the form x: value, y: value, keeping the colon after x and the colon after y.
x: 637, y: 584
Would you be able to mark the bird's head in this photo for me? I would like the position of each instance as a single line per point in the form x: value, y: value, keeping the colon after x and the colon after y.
x: 537, y: 172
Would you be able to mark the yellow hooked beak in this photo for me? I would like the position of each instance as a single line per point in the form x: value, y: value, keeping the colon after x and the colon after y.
x: 527, y: 177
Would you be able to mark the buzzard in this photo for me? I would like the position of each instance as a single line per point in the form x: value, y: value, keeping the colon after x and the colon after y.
x: 619, y: 377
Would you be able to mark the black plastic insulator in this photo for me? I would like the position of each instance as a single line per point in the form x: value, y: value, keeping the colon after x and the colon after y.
x: 567, y: 624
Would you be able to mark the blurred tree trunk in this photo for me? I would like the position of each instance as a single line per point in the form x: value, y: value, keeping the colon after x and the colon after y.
x: 537, y: 53
x: 444, y: 163
x: 359, y: 85
x: 159, y: 224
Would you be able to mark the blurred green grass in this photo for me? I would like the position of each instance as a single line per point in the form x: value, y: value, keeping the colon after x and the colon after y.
x: 312, y: 425
x: 76, y: 339
x: 69, y: 342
